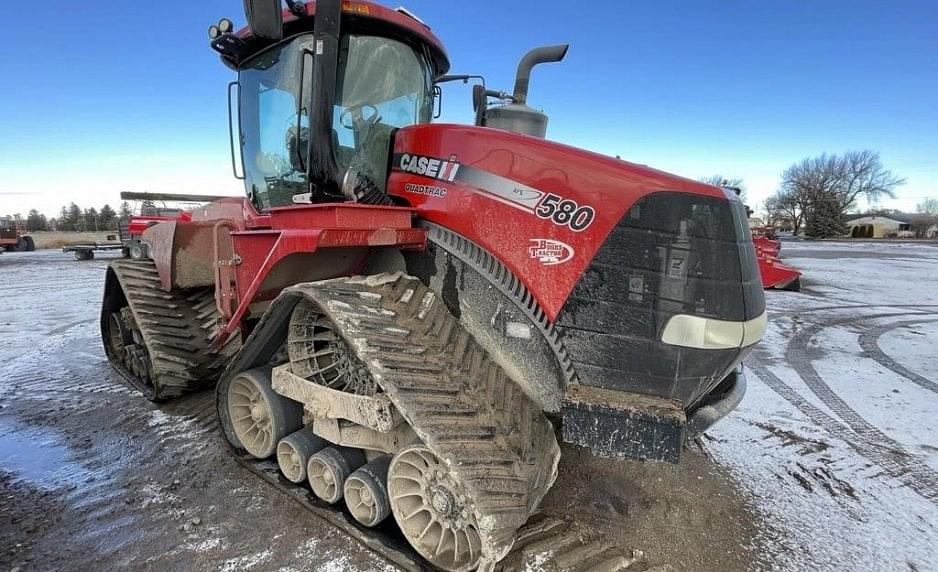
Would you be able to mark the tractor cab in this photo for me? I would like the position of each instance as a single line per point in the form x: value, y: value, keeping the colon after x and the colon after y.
x: 321, y: 90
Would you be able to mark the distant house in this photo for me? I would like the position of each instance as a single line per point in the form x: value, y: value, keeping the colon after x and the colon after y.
x: 896, y: 225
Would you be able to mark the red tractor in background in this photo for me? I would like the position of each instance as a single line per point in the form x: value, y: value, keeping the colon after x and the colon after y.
x: 407, y: 315
x: 13, y: 237
x: 149, y: 213
x: 768, y: 250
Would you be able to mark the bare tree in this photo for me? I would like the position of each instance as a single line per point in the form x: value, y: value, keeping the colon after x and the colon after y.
x: 862, y: 174
x: 925, y: 223
x: 785, y: 210
x: 829, y: 185
x: 928, y: 206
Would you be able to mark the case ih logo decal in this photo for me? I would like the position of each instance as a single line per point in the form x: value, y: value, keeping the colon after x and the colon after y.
x: 429, y: 166
x: 548, y: 206
x: 550, y: 252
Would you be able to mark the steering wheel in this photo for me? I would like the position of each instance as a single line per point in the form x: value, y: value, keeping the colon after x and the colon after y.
x: 354, y: 119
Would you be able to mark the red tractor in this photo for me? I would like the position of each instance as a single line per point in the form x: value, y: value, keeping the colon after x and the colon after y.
x: 774, y: 274
x: 153, y: 209
x: 408, y: 316
x: 13, y: 237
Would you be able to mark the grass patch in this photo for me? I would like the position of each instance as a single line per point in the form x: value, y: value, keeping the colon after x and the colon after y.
x: 58, y: 239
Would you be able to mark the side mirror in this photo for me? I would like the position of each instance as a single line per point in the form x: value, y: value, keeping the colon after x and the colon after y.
x: 437, y: 101
x: 264, y: 18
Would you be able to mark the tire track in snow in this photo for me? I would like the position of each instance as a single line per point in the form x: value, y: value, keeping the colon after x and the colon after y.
x: 898, y: 464
x: 799, y: 356
x: 851, y: 306
x: 870, y: 344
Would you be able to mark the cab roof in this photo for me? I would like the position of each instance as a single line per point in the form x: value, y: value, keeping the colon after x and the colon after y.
x: 360, y: 15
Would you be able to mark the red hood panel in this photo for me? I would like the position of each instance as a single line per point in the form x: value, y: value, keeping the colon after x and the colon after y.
x: 542, y: 208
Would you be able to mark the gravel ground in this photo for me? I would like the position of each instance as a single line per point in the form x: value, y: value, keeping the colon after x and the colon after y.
x: 829, y: 462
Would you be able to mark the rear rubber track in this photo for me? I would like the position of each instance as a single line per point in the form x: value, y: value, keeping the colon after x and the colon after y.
x: 460, y: 403
x: 178, y: 330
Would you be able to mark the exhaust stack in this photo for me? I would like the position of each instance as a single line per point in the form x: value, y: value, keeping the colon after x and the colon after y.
x: 542, y: 55
x: 517, y: 116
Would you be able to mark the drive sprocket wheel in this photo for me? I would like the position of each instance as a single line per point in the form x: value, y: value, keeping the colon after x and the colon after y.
x: 318, y: 353
x: 433, y: 510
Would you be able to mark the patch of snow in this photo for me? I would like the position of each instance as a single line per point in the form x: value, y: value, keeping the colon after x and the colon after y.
x: 154, y: 494
x: 246, y: 562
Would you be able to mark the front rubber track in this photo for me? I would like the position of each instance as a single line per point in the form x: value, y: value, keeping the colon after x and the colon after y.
x: 460, y: 403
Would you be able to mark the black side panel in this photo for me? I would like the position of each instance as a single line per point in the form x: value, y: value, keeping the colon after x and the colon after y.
x: 672, y: 253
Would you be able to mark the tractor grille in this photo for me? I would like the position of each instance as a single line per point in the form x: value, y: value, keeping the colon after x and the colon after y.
x: 672, y: 253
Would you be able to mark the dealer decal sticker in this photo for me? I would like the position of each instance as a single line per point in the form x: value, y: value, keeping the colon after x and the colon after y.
x: 550, y: 252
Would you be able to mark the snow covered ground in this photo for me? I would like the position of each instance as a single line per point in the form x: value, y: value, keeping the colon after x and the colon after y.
x: 835, y: 447
x: 836, y: 442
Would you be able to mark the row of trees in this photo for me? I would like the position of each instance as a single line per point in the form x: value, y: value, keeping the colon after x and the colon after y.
x: 816, y: 193
x: 75, y: 218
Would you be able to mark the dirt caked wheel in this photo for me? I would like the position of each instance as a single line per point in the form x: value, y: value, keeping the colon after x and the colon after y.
x: 328, y: 469
x: 119, y: 336
x: 294, y: 451
x: 137, y: 250
x: 366, y: 492
x: 258, y: 417
x: 434, y: 510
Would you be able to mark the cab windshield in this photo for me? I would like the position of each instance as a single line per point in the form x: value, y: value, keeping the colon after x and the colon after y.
x: 382, y: 84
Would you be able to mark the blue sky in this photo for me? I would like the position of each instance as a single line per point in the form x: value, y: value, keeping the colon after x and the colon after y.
x: 99, y: 97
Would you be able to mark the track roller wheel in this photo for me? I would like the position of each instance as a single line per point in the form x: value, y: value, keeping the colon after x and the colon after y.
x: 137, y: 250
x: 328, y: 469
x: 433, y: 510
x: 294, y: 451
x: 366, y: 492
x: 258, y: 417
x: 119, y: 336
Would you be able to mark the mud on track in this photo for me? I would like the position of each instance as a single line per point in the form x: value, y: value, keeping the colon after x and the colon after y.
x: 94, y: 477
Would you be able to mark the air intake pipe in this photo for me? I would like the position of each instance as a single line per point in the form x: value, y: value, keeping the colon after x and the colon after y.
x: 517, y: 116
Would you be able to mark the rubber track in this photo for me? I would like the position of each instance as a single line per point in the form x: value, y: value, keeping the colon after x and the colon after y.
x: 178, y: 328
x: 505, y: 453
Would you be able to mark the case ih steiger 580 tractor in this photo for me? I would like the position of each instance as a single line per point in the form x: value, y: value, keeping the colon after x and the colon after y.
x: 409, y: 316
